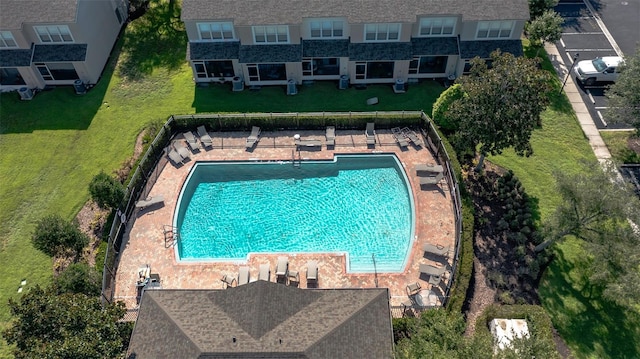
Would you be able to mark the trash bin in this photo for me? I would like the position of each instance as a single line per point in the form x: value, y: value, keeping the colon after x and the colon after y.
x: 344, y: 82
x: 25, y: 93
x: 237, y: 83
x: 291, y: 87
x: 80, y: 88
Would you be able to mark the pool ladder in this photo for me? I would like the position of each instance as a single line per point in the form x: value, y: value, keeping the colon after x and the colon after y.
x: 293, y: 158
x: 170, y: 235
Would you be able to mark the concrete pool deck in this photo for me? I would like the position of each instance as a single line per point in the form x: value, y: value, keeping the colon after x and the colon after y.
x: 144, y: 240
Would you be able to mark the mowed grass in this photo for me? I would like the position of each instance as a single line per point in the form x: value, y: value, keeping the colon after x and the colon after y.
x: 53, y: 145
x: 592, y: 327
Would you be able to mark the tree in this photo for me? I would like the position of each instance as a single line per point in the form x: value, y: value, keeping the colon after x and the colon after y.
x: 545, y: 28
x: 538, y: 7
x: 48, y: 325
x: 501, y: 105
x: 441, y: 106
x: 106, y: 191
x: 624, y: 95
x: 79, y: 278
x: 54, y: 236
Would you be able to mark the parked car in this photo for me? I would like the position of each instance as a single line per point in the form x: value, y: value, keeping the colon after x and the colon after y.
x: 600, y: 69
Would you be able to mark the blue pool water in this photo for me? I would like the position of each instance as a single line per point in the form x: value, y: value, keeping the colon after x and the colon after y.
x: 359, y: 205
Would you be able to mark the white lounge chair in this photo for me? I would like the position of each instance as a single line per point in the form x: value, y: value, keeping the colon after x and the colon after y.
x: 312, y: 273
x: 228, y: 281
x: 282, y: 269
x: 243, y: 275
x: 191, y: 141
x: 175, y: 157
x: 399, y: 137
x: 205, y: 139
x: 436, y: 249
x: 412, y: 136
x: 432, y: 180
x: 428, y: 170
x: 370, y: 133
x: 431, y: 270
x: 293, y: 278
x: 150, y: 201
x: 182, y: 150
x: 265, y: 273
x: 330, y: 135
x: 254, y: 137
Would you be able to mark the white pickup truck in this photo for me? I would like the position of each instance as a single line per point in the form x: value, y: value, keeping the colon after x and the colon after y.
x: 600, y: 69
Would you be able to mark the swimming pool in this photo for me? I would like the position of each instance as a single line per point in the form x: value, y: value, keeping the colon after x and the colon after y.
x: 360, y: 205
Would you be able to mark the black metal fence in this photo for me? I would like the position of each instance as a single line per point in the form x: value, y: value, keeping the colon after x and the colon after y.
x: 153, y: 161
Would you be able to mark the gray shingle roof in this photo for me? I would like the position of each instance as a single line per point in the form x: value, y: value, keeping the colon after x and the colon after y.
x: 15, y: 58
x: 267, y: 320
x: 15, y: 12
x: 435, y: 46
x: 325, y: 48
x: 60, y: 53
x: 258, y: 12
x: 482, y: 49
x: 213, y: 50
x: 270, y: 53
x: 374, y: 51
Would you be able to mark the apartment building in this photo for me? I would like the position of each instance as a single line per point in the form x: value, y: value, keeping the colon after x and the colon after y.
x: 56, y: 42
x: 273, y: 42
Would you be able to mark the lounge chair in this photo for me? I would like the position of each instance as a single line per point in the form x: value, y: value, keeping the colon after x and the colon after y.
x: 312, y: 273
x: 330, y: 135
x: 191, y: 141
x: 428, y: 170
x: 370, y: 133
x: 293, y: 278
x: 413, y: 289
x: 431, y: 270
x: 150, y: 201
x: 175, y: 157
x: 282, y: 269
x: 228, y: 281
x: 265, y: 272
x: 436, y: 249
x: 433, y: 180
x: 144, y: 274
x: 412, y: 136
x: 253, y: 137
x: 243, y: 275
x: 205, y: 139
x: 182, y: 150
x: 399, y: 137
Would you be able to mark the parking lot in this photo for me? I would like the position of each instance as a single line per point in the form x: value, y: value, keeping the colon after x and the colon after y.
x: 596, y: 29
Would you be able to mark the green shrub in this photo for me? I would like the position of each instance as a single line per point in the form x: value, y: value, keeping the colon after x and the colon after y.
x: 403, y: 327
x: 441, y: 106
x: 106, y: 191
x: 464, y: 271
x: 79, y: 278
x: 101, y: 252
x: 54, y: 236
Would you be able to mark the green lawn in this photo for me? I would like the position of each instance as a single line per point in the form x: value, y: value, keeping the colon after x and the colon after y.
x: 617, y: 142
x: 591, y: 327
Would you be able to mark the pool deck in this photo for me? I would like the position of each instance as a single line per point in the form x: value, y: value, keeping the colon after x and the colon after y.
x: 144, y: 241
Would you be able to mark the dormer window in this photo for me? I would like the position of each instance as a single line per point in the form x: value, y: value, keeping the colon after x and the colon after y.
x: 54, y: 33
x: 324, y: 29
x: 271, y: 34
x: 216, y: 31
x: 437, y: 26
x: 382, y: 32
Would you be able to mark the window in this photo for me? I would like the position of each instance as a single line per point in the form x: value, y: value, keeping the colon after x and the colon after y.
x: 438, y: 26
x: 321, y: 66
x: 381, y: 32
x: 267, y: 72
x: 216, y: 31
x: 54, y: 33
x: 374, y: 70
x: 326, y: 29
x: 494, y: 29
x: 10, y: 76
x: 57, y: 71
x: 270, y: 34
x: 214, y: 69
x: 7, y: 40
x: 428, y: 65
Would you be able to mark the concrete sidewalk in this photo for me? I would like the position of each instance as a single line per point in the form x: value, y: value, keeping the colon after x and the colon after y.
x: 584, y: 118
